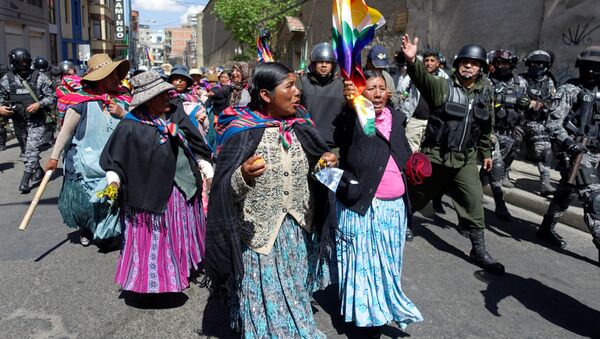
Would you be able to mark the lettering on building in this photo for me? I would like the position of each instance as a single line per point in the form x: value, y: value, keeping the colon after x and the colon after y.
x: 119, y: 20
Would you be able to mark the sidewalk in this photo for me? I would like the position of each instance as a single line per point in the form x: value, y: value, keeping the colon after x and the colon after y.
x: 526, y: 178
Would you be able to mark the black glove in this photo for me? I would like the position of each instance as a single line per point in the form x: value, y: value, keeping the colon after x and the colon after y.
x: 523, y: 102
x: 573, y: 148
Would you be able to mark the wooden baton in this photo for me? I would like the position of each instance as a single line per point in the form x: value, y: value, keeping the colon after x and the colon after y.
x: 36, y: 200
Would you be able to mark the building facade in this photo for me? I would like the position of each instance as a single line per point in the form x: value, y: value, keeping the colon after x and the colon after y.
x: 24, y: 24
x: 73, y: 38
x: 150, y: 47
x: 176, y: 46
x: 102, y: 23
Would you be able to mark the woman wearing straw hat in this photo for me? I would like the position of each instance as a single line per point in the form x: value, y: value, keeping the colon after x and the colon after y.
x: 152, y: 159
x: 92, y: 113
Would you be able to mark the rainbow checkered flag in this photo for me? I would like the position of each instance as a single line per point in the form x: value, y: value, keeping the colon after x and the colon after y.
x: 354, y: 25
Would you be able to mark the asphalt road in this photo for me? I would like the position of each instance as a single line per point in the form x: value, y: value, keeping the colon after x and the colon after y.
x: 50, y: 286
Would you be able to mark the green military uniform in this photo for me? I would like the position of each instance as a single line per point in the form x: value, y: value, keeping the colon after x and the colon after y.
x: 454, y: 170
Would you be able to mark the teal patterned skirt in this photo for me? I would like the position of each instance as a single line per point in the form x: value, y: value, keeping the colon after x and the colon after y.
x: 276, y: 288
x: 370, y: 265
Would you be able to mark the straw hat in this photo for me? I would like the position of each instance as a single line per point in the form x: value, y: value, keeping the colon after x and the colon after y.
x: 146, y: 86
x: 195, y: 71
x: 101, y: 65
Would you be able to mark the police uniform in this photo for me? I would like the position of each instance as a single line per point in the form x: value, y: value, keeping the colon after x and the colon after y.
x: 458, y: 131
x: 536, y: 135
x: 508, y: 134
x: 576, y: 115
x: 29, y: 127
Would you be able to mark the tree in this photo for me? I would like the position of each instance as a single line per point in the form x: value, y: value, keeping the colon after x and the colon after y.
x: 245, y: 18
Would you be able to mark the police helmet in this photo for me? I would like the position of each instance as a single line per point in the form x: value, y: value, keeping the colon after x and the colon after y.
x: 471, y: 51
x: 66, y: 66
x: 322, y: 52
x: 505, y: 55
x: 589, y: 54
x: 17, y: 56
x: 539, y: 56
x: 41, y: 64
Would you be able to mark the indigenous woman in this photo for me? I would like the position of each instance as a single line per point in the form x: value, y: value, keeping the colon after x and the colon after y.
x: 182, y: 94
x: 373, y: 214
x: 235, y: 94
x: 263, y: 209
x: 152, y: 159
x: 92, y: 113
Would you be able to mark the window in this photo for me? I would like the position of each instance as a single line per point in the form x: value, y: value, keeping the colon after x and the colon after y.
x: 67, y: 10
x: 97, y: 30
x: 51, y: 12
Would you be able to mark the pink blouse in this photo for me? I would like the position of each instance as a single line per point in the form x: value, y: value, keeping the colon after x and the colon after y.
x: 391, y: 185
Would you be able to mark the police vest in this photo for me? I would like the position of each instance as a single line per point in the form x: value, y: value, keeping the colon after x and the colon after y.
x: 538, y: 91
x: 584, y: 118
x: 506, y: 115
x: 19, y: 94
x: 455, y: 125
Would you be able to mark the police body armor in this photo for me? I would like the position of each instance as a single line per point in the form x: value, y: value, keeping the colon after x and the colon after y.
x: 455, y: 125
x: 506, y: 115
x: 20, y: 97
x: 584, y: 118
x: 540, y: 92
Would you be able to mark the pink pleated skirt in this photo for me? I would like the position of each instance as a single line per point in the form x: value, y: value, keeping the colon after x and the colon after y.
x: 161, y: 250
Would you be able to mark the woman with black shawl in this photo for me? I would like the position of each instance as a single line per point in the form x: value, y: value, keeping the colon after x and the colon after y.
x: 263, y: 209
x: 235, y: 94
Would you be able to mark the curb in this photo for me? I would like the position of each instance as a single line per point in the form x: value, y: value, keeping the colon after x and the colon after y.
x: 573, y: 217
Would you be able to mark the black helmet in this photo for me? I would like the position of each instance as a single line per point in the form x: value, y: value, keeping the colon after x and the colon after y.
x: 65, y: 66
x: 17, y: 56
x: 471, y: 52
x: 41, y: 64
x: 538, y: 56
x: 589, y: 54
x: 505, y: 55
x: 322, y: 52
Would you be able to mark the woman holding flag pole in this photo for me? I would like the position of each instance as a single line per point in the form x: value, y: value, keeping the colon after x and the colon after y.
x: 372, y: 209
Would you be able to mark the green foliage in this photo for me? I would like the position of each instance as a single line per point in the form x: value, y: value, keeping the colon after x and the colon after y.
x: 245, y: 18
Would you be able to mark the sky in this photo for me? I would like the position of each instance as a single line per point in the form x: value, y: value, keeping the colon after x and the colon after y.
x: 160, y: 14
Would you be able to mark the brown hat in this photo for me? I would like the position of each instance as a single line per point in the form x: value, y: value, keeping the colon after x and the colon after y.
x: 212, y: 78
x: 101, y: 65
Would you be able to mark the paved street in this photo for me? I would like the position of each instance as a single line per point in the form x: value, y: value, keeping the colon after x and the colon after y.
x: 50, y: 286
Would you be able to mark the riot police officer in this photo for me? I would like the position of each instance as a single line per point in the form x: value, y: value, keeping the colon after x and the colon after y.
x: 541, y: 88
x: 510, y: 102
x: 42, y: 65
x: 25, y: 95
x: 322, y: 91
x: 67, y: 68
x: 574, y: 122
x: 458, y: 131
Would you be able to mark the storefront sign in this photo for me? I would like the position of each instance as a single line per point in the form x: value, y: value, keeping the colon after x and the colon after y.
x: 119, y: 20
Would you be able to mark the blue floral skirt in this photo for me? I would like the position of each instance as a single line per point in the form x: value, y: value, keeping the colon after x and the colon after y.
x: 370, y: 263
x: 276, y: 288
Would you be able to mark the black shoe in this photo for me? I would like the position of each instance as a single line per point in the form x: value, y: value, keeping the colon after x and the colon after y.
x: 502, y: 212
x: 480, y: 256
x: 501, y: 209
x: 37, y: 176
x: 24, y: 185
x: 547, y: 234
x: 438, y: 207
x: 409, y: 235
